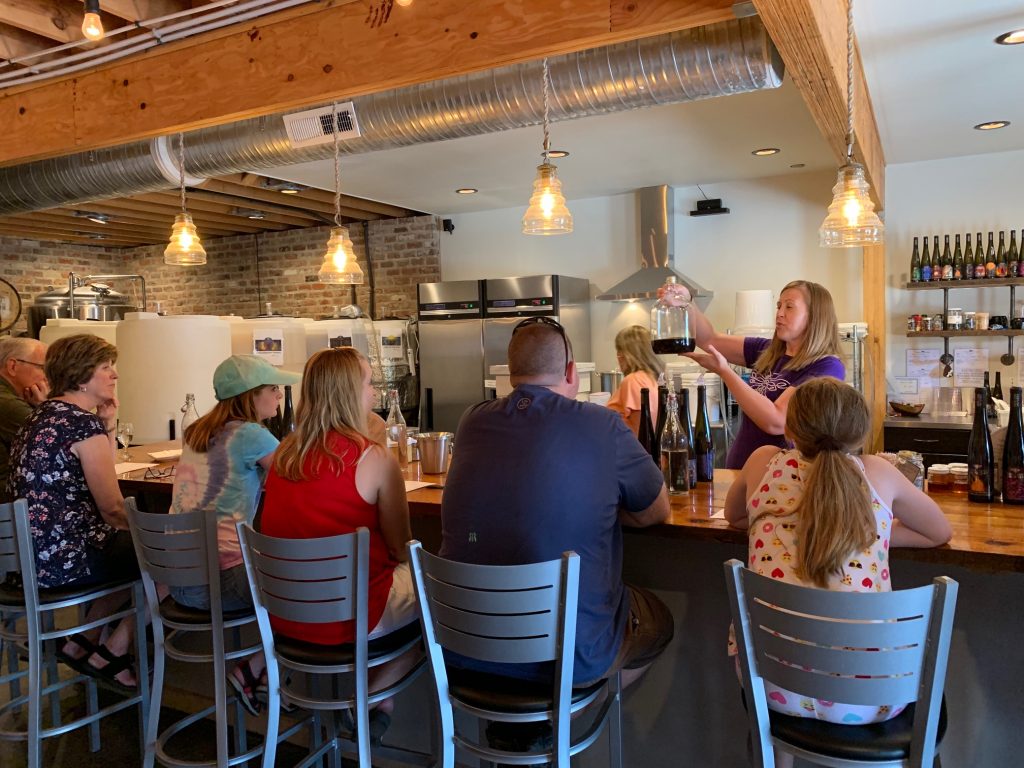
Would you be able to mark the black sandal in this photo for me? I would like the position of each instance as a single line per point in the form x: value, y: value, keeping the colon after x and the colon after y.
x: 246, y: 690
x: 78, y: 664
x: 115, y: 666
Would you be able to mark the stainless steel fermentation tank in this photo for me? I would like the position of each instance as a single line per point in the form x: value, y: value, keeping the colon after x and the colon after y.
x: 465, y: 328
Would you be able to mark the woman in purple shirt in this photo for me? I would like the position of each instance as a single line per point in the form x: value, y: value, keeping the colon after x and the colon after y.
x: 805, y: 346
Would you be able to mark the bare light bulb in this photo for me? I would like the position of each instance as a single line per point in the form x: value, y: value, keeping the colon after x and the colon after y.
x: 403, y: 3
x: 92, y: 27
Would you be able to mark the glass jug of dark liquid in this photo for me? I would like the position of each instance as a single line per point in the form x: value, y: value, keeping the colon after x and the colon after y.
x: 671, y: 330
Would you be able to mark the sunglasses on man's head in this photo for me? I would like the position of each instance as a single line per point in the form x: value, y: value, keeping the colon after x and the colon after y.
x: 551, y: 324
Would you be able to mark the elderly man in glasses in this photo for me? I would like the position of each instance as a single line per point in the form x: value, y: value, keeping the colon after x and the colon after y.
x: 23, y: 386
x: 537, y: 473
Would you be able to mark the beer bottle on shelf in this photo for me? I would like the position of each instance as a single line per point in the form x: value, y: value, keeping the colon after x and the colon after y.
x: 675, y: 451
x: 915, y: 264
x: 704, y: 445
x: 947, y: 261
x: 1013, y: 452
x: 990, y: 256
x: 969, y: 259
x: 1001, y: 265
x: 926, y: 263
x: 980, y: 479
x: 1013, y: 256
x: 979, y: 260
x: 959, y: 270
x: 646, y: 432
x: 684, y: 393
x: 288, y: 417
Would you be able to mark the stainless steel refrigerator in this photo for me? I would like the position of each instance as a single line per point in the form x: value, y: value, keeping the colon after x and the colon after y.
x: 451, y: 329
x: 508, y: 300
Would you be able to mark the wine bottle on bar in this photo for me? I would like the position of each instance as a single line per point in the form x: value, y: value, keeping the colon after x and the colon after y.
x: 979, y: 260
x: 926, y: 263
x: 990, y: 256
x: 969, y: 259
x: 662, y: 415
x: 288, y: 417
x: 675, y: 451
x: 990, y: 408
x: 980, y: 477
x: 915, y: 264
x: 959, y: 268
x: 1013, y: 256
x: 997, y: 390
x: 947, y: 260
x: 1013, y: 452
x: 1001, y: 264
x: 684, y: 394
x: 646, y: 432
x: 704, y: 445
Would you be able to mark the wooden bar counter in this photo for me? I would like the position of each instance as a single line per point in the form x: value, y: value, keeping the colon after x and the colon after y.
x: 987, y: 537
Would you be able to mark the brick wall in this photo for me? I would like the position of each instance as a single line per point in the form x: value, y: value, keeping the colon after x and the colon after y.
x: 404, y: 252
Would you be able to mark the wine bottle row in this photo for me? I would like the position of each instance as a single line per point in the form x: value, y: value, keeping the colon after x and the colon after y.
x: 980, y: 455
x: 975, y: 262
x: 685, y: 453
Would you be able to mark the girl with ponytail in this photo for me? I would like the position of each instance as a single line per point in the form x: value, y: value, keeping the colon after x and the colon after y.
x: 819, y: 516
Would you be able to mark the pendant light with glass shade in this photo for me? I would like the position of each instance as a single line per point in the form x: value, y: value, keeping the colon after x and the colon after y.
x: 851, y: 219
x: 547, y: 213
x: 185, y: 248
x: 340, y: 266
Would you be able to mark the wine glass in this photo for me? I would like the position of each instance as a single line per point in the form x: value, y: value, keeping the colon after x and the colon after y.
x: 125, y: 431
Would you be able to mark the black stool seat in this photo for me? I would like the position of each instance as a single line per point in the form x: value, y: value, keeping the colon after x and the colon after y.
x: 175, y: 612
x: 12, y: 595
x: 507, y: 694
x: 314, y: 654
x: 878, y: 741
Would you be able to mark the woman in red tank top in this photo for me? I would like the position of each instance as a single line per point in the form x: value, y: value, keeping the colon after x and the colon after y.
x: 330, y: 478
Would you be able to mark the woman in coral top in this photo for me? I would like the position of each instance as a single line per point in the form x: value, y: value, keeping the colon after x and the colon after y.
x: 330, y: 478
x: 642, y: 368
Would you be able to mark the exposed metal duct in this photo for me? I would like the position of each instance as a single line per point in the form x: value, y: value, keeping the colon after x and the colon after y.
x: 715, y: 60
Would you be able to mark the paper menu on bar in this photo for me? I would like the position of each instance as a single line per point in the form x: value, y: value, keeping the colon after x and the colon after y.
x: 969, y: 367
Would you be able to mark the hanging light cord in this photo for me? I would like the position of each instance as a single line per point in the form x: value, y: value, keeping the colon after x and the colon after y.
x: 849, y: 80
x: 337, y: 166
x: 547, y: 108
x: 181, y: 169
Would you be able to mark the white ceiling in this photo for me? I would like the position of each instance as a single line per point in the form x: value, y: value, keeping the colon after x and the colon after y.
x: 932, y: 69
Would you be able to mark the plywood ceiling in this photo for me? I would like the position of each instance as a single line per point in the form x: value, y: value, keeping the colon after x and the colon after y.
x: 220, y: 207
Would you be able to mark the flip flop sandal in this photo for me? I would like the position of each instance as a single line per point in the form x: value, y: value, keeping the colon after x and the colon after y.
x: 263, y: 695
x: 115, y: 665
x: 78, y: 664
x: 245, y: 690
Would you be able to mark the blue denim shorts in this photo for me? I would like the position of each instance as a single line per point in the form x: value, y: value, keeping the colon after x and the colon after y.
x: 234, y: 592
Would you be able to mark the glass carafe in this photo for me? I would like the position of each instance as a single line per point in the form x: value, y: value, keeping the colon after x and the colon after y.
x: 671, y: 329
x: 189, y: 414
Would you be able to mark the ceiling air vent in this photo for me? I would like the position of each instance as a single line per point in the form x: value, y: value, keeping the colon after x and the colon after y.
x: 315, y: 126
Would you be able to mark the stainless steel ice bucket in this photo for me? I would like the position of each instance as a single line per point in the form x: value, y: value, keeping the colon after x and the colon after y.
x: 435, y: 451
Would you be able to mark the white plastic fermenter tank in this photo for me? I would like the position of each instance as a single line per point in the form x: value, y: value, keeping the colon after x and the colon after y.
x: 160, y: 360
x: 58, y: 327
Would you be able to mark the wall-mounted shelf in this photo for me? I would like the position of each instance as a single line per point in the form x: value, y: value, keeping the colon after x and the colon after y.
x: 988, y: 282
x: 959, y: 334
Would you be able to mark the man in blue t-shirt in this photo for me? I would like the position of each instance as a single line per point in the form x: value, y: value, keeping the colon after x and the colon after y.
x: 538, y: 473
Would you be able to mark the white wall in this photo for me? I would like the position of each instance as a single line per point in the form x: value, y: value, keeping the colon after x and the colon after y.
x: 768, y: 239
x: 979, y: 193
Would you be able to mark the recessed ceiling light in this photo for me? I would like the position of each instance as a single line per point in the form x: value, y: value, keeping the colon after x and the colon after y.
x: 1015, y: 37
x: 992, y: 125
x: 766, y: 151
x: 284, y: 187
x: 798, y: 165
x: 556, y: 153
x: 466, y: 191
x: 249, y: 213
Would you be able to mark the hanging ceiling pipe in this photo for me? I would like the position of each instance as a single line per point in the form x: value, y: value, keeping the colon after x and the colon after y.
x: 715, y: 60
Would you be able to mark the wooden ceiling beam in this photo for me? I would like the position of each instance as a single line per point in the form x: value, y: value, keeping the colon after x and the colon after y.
x: 33, y: 233
x: 15, y: 42
x: 265, y: 197
x: 167, y: 211
x: 325, y: 196
x: 142, y: 10
x: 134, y: 218
x: 293, y: 60
x: 156, y: 228
x: 200, y: 201
x: 52, y: 19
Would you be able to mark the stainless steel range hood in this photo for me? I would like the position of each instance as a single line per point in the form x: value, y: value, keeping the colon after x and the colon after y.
x: 657, y: 238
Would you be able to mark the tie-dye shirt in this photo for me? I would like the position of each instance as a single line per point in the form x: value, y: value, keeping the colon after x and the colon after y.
x: 226, y: 481
x: 772, y: 551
